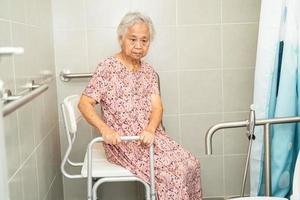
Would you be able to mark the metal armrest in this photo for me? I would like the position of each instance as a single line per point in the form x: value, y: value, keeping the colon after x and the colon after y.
x: 123, y: 138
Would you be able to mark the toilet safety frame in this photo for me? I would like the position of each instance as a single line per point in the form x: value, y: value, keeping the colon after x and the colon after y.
x: 71, y: 117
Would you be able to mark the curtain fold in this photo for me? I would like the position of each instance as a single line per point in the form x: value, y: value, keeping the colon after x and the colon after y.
x: 276, y: 94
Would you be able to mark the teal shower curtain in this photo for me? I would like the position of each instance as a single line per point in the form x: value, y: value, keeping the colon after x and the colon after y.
x: 281, y: 99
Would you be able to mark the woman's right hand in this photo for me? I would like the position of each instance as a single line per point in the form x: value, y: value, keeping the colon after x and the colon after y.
x: 110, y: 136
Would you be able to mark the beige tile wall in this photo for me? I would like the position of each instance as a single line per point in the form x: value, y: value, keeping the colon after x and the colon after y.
x: 31, y: 132
x: 204, y: 52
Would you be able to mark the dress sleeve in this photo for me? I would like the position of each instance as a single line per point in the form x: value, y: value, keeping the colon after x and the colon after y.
x: 154, y: 89
x: 96, y: 85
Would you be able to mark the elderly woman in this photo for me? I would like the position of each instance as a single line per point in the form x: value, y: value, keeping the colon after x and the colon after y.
x: 126, y: 87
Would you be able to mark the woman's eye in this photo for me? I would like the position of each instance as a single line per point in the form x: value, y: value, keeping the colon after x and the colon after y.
x: 132, y: 40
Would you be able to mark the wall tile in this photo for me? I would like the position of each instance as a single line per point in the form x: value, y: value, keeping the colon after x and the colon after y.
x: 20, y: 38
x: 70, y: 51
x: 68, y: 14
x: 29, y: 174
x: 193, y: 131
x: 57, y: 189
x: 161, y: 12
x: 105, y: 13
x: 18, y: 10
x: 54, y: 153
x: 80, y: 145
x: 32, y: 11
x: 15, y: 187
x: 199, y: 11
x: 12, y: 143
x: 38, y: 116
x: 26, y: 68
x: 164, y: 41
x: 169, y: 91
x: 234, y: 170
x: 212, y: 176
x: 238, y: 89
x: 200, y: 91
x: 171, y: 125
x: 45, y: 166
x: 6, y: 65
x: 45, y: 13
x: 102, y: 43
x: 5, y: 9
x: 51, y: 108
x: 74, y: 189
x: 239, y: 45
x: 240, y: 11
x: 25, y: 125
x: 65, y: 89
x: 199, y: 47
x: 45, y: 52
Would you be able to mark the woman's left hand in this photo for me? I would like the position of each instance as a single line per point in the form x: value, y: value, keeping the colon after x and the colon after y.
x: 146, y: 138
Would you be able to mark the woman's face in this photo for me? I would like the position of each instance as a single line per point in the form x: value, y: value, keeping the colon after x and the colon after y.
x: 135, y: 43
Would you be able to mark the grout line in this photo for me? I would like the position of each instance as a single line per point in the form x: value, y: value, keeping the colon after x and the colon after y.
x: 56, y: 175
x: 176, y: 13
x: 222, y: 90
x: 217, y: 24
x: 37, y: 175
x: 157, y: 26
x: 178, y: 76
x: 34, y: 150
x: 20, y: 155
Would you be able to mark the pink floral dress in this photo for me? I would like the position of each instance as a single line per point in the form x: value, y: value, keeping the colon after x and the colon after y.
x: 125, y: 100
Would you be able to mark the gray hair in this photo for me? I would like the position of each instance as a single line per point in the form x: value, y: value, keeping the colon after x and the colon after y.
x: 131, y: 19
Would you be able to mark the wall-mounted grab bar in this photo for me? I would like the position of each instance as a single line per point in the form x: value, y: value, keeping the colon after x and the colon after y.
x: 11, y: 50
x: 66, y: 75
x: 267, y: 146
x: 14, y: 104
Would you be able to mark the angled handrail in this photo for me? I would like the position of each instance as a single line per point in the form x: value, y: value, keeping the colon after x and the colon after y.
x: 267, y: 146
x: 22, y: 100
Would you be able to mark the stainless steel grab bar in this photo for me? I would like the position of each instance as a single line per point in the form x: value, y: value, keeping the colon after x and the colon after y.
x: 260, y: 122
x: 21, y: 100
x: 66, y: 75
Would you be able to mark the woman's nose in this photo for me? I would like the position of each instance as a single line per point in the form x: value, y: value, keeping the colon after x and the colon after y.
x: 138, y: 44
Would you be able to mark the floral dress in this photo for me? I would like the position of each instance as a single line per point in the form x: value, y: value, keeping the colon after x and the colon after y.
x: 125, y: 99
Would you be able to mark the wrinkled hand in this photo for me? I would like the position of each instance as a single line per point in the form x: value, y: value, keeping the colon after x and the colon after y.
x: 146, y: 138
x: 110, y: 136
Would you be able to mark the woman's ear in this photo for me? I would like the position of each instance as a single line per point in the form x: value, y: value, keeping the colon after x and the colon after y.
x: 120, y: 39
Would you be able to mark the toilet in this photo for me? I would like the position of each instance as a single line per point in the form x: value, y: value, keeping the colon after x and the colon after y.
x: 296, y: 187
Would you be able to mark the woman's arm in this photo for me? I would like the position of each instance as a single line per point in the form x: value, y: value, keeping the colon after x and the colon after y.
x: 86, y: 106
x: 147, y: 136
x: 156, y: 113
